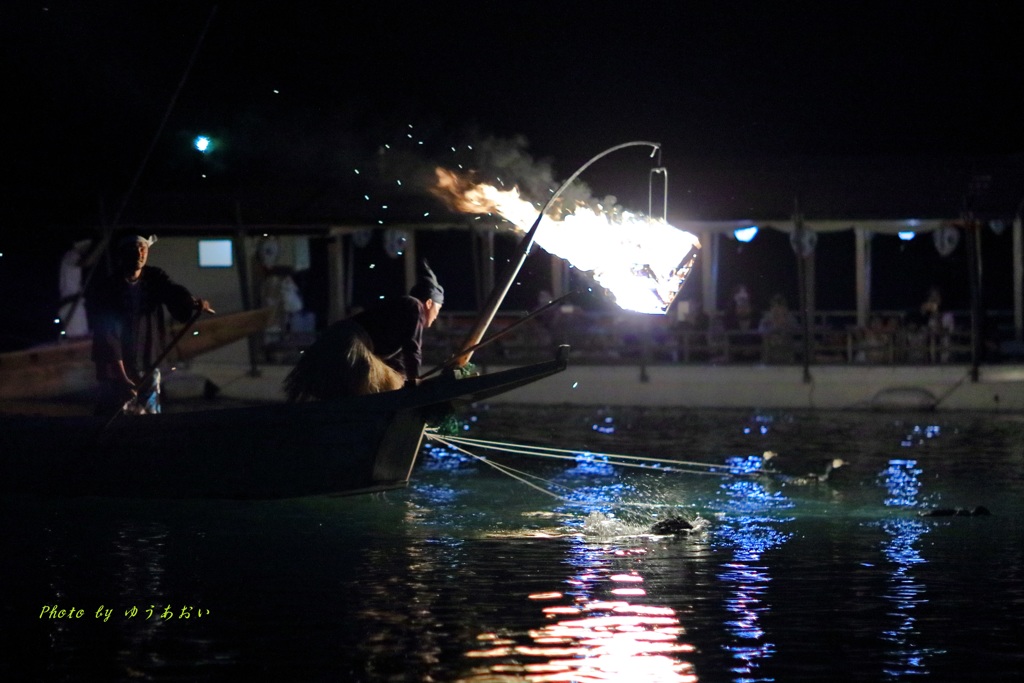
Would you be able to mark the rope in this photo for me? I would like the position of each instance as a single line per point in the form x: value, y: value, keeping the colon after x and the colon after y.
x: 640, y: 462
x: 523, y: 477
x: 949, y: 392
x: 504, y: 469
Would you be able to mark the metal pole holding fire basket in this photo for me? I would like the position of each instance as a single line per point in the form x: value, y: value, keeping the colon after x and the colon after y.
x: 523, y: 250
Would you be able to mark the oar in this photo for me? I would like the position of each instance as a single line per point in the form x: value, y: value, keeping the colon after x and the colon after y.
x: 148, y: 376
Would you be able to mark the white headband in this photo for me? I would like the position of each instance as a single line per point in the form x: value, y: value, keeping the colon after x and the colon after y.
x: 135, y: 239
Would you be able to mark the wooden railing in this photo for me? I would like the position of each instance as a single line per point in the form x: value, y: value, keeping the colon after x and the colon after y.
x: 604, y: 338
x: 597, y: 338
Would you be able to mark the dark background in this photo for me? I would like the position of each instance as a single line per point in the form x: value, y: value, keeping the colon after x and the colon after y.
x: 866, y: 110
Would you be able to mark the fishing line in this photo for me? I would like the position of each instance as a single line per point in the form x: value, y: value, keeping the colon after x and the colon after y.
x: 519, y: 476
x: 640, y: 462
x: 523, y: 477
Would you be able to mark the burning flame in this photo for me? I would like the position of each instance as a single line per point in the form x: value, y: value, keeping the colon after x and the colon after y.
x: 643, y: 262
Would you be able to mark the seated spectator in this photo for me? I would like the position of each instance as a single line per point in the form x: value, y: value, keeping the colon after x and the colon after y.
x: 740, y: 317
x: 777, y: 327
x: 739, y: 321
x: 874, y: 342
x: 692, y: 329
x: 916, y: 336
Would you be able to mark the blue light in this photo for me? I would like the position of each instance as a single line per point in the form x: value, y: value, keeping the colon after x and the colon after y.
x: 739, y: 464
x: 203, y: 143
x: 906, y: 235
x: 441, y: 458
x: 745, y: 234
x: 590, y: 463
x: 902, y: 480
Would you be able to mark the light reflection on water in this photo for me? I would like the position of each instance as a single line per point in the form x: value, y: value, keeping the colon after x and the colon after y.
x: 754, y: 520
x: 470, y: 576
x: 591, y: 632
x: 599, y: 624
x: 902, y: 482
x: 749, y: 533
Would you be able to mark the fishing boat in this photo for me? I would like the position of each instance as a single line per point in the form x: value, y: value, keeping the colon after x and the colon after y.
x: 64, y: 368
x: 346, y: 446
x: 285, y: 450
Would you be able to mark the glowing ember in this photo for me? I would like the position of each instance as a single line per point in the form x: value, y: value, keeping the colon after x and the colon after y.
x: 643, y: 262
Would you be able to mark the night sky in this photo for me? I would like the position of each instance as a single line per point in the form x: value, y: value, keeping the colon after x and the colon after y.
x: 859, y: 109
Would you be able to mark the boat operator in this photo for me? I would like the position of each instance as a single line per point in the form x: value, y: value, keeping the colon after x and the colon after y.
x: 379, y: 349
x: 129, y: 327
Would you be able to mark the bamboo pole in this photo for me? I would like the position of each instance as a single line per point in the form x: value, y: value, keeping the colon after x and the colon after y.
x: 1018, y: 276
x: 801, y: 269
x: 108, y: 231
x: 972, y: 233
x: 501, y: 333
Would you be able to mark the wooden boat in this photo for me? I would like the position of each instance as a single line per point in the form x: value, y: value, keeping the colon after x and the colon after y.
x: 354, y: 445
x: 65, y: 367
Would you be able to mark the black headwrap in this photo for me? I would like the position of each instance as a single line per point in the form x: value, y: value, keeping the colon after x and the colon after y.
x: 427, y: 287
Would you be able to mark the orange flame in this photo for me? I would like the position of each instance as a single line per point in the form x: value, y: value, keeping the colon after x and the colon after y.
x: 642, y: 262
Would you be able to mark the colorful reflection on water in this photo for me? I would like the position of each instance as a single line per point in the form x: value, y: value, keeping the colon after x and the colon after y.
x: 470, y: 576
x: 595, y: 630
x: 749, y: 531
x: 902, y: 481
x: 600, y: 624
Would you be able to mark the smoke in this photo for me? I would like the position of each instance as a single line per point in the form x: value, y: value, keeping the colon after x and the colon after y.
x: 408, y: 163
x: 506, y: 162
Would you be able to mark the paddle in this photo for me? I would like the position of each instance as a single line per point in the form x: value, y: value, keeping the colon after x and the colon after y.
x: 148, y: 376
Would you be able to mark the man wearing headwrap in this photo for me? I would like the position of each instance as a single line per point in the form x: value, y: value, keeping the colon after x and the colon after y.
x: 380, y: 349
x: 130, y: 330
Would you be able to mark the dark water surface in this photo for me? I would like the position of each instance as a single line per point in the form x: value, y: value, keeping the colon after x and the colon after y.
x: 472, y: 575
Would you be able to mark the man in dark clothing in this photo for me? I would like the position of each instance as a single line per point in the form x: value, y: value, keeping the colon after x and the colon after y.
x: 130, y: 331
x: 380, y: 349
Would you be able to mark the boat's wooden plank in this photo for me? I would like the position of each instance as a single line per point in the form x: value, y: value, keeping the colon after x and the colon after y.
x: 66, y: 368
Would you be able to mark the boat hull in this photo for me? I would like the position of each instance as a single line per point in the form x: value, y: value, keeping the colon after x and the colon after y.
x: 355, y: 445
x: 232, y: 453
